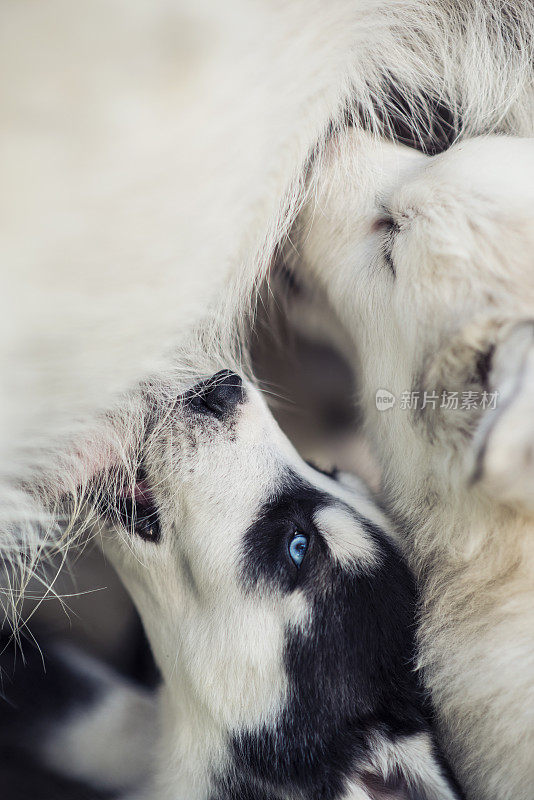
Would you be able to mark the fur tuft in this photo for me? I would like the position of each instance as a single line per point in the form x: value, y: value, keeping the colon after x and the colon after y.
x: 148, y: 192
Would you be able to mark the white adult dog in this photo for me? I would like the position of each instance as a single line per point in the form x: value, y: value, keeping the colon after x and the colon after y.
x: 153, y: 156
x: 429, y: 263
x: 280, y: 613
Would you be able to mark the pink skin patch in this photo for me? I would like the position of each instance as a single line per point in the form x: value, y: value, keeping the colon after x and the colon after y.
x: 91, y: 460
x: 139, y: 492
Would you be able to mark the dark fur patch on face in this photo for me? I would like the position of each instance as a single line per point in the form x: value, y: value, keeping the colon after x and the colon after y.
x: 266, y: 558
x: 350, y: 670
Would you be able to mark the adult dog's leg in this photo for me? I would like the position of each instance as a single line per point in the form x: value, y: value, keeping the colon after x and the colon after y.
x: 152, y: 156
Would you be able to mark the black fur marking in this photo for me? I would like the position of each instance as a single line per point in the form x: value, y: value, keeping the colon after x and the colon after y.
x: 265, y: 545
x: 350, y: 672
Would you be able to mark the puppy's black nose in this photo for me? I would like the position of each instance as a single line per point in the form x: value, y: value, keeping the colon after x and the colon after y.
x: 220, y: 394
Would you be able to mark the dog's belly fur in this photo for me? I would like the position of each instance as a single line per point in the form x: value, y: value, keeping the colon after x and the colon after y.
x: 172, y: 148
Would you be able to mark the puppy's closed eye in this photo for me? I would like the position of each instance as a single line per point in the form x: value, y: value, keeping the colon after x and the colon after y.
x: 385, y: 223
x: 387, y: 227
x: 135, y: 508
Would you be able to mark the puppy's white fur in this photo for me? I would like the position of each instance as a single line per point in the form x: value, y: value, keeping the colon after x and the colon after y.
x: 219, y: 650
x: 429, y: 264
x: 226, y: 612
x: 153, y: 156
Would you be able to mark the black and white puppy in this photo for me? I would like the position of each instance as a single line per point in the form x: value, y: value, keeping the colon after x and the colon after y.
x: 280, y: 614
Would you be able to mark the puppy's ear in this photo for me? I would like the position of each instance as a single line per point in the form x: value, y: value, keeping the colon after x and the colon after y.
x: 504, y: 439
x: 407, y: 768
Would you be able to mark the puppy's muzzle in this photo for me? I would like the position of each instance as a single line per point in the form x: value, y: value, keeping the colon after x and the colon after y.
x: 219, y: 395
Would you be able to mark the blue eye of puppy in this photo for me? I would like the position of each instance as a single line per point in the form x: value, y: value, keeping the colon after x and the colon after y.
x: 297, y: 548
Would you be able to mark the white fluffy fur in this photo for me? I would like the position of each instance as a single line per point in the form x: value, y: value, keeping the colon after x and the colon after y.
x: 152, y: 157
x: 219, y: 641
x: 457, y: 315
x: 220, y: 647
